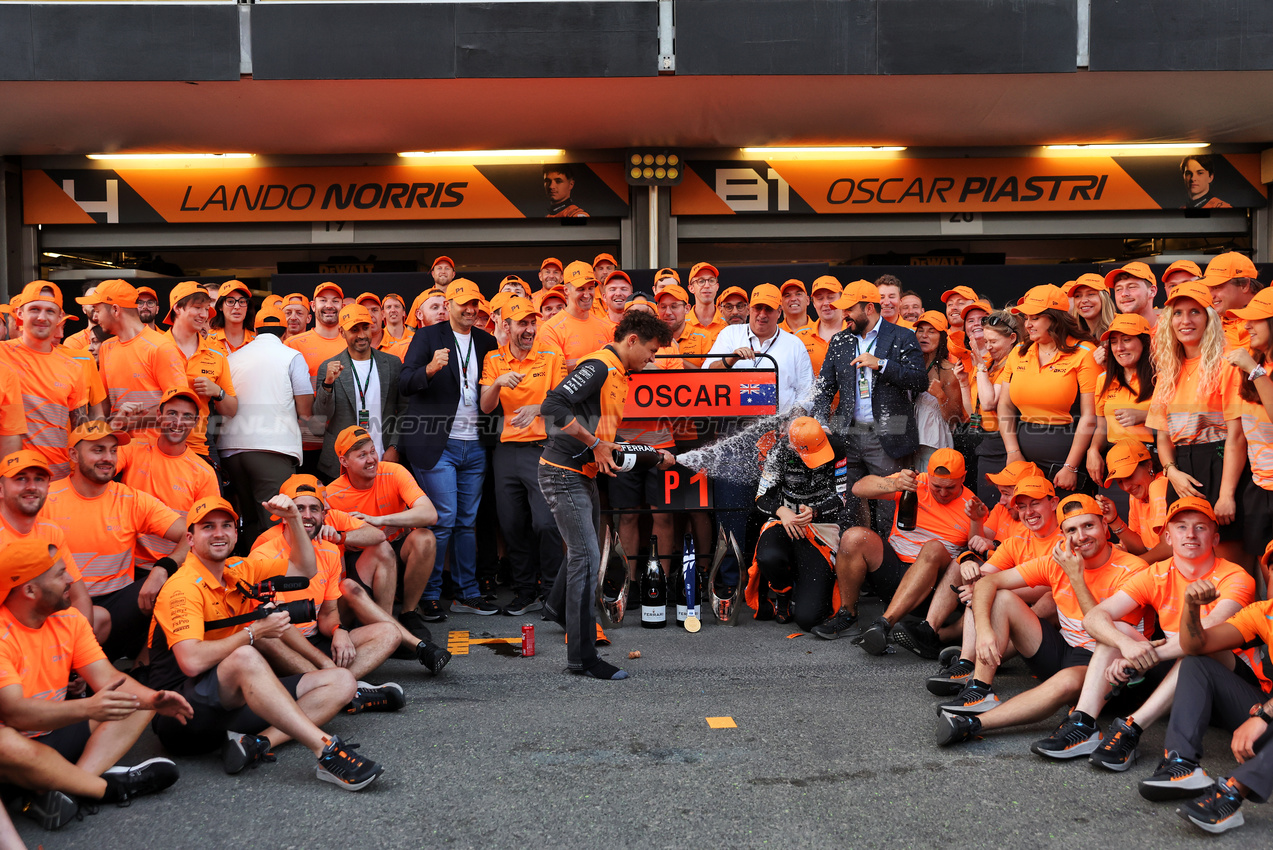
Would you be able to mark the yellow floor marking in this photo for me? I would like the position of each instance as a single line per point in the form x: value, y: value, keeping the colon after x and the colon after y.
x: 721, y: 723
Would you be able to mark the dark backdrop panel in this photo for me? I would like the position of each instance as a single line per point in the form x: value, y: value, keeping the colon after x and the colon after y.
x: 1182, y: 35
x: 977, y: 36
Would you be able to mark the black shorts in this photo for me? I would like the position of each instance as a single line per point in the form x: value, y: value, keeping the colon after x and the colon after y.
x: 321, y: 642
x: 1256, y: 514
x: 352, y: 556
x: 128, y: 624
x: 69, y: 741
x: 1055, y: 654
x: 885, y: 580
x: 204, y: 732
x: 1205, y: 462
x: 637, y: 488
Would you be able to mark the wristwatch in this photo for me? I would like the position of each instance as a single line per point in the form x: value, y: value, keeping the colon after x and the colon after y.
x: 1257, y: 710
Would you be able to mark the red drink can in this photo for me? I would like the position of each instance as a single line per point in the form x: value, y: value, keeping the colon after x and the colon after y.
x: 528, y: 640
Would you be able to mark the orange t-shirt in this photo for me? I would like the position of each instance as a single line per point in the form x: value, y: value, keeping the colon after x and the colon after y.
x: 41, y: 660
x: 1147, y: 518
x: 92, y: 377
x: 52, y: 385
x: 50, y: 533
x: 541, y: 370
x: 315, y: 349
x: 816, y: 345
x: 141, y: 369
x: 218, y: 341
x: 78, y: 340
x: 208, y: 362
x: 1015, y: 551
x: 178, y: 482
x: 323, y: 587
x: 575, y: 338
x: 1259, y: 442
x: 1162, y: 588
x: 102, y: 532
x: 1235, y: 333
x: 337, y: 519
x: 12, y: 416
x: 1190, y: 417
x: 948, y: 524
x: 393, y: 490
x: 1001, y: 526
x: 1045, y: 395
x: 1118, y: 397
x: 1103, y: 582
x: 989, y: 417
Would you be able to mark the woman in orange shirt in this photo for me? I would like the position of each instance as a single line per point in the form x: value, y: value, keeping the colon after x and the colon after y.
x: 233, y: 317
x: 1256, y: 393
x: 1122, y: 401
x: 1196, y: 411
x: 990, y: 353
x: 1091, y: 305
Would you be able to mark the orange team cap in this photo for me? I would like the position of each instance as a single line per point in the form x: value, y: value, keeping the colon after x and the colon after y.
x: 766, y: 295
x: 1132, y: 324
x: 96, y: 429
x: 699, y: 268
x: 810, y: 442
x: 327, y: 284
x: 1123, y: 458
x: 297, y: 298
x: 23, y: 459
x: 182, y: 290
x: 368, y: 295
x: 484, y: 306
x: 858, y: 291
x: 1095, y: 281
x: 730, y: 293
x: 443, y: 259
x: 1012, y: 473
x: 396, y: 297
x: 347, y: 439
x: 1264, y: 559
x: 793, y: 283
x: 119, y: 293
x: 463, y: 291
x: 605, y: 258
x: 1040, y: 298
x: 551, y: 261
x: 304, y: 485
x: 579, y: 274
x: 937, y: 320
x: 962, y: 291
x: 1139, y: 270
x: 976, y: 305
x: 662, y: 273
x: 519, y: 309
x: 827, y: 282
x: 23, y: 561
x: 619, y: 273
x: 411, y: 320
x: 208, y: 505
x: 1226, y: 267
x: 153, y: 294
x: 353, y: 315
x: 544, y: 294
x: 512, y: 278
x: 270, y: 317
x: 1183, y: 266
x: 948, y: 459
x: 1033, y: 487
x: 502, y: 298
x: 7, y: 309
x: 1259, y: 307
x: 234, y: 286
x: 1196, y: 290
x: 178, y: 392
x: 1190, y: 503
x: 1077, y: 505
x: 675, y: 290
x: 34, y: 290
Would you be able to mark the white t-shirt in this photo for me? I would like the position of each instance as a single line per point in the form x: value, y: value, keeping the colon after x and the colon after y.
x: 465, y: 427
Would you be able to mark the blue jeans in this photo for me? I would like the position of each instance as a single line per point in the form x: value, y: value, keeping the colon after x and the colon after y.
x: 454, y: 485
x: 573, y: 499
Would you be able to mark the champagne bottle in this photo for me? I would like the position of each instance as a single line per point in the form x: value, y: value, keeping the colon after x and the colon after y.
x: 653, y: 591
x: 629, y: 456
x: 907, y: 510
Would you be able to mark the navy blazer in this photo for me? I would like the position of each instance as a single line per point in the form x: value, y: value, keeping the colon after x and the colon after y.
x: 431, y: 402
x: 893, y: 396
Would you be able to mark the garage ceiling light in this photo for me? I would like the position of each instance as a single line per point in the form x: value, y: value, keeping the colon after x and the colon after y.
x: 145, y: 156
x: 822, y: 150
x: 1155, y: 146
x: 531, y: 153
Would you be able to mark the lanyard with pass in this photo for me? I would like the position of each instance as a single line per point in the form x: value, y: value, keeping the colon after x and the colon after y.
x: 364, y: 414
x: 864, y: 379
x: 468, y: 394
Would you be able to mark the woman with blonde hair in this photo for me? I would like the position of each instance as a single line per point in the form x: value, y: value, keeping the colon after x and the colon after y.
x: 1196, y: 411
x: 1092, y: 308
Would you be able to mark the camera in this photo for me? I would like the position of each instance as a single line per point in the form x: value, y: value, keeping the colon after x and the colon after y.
x: 266, y: 591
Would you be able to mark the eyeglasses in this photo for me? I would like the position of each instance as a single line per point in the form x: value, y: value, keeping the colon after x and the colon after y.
x: 236, y: 302
x: 996, y: 320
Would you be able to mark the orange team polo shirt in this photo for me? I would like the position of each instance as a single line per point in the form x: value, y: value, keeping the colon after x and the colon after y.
x: 178, y: 482
x: 102, y: 532
x: 1255, y: 622
x: 948, y: 524
x: 541, y: 370
x: 1001, y: 526
x: 1118, y: 397
x: 1045, y: 395
x: 815, y: 345
x: 1162, y: 588
x: 1235, y: 334
x: 1148, y: 518
x: 1017, y: 550
x: 52, y: 385
x: 1190, y: 417
x: 397, y: 346
x: 41, y: 660
x: 191, y: 597
x: 208, y: 362
x: 140, y: 370
x: 50, y: 533
x: 393, y: 490
x: 323, y: 587
x: 92, y: 377
x: 1103, y: 582
x: 339, y: 520
x: 315, y: 349
x: 989, y: 418
x: 218, y: 341
x: 1259, y: 441
x: 717, y: 324
x: 78, y: 340
x: 694, y: 341
x: 575, y: 338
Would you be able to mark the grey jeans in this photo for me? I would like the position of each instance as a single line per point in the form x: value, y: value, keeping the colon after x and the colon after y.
x: 573, y: 499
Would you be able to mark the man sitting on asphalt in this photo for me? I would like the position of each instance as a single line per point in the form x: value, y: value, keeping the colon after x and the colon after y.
x: 63, y: 752
x: 239, y: 704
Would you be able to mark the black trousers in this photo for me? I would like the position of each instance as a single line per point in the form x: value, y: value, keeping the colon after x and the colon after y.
x: 257, y: 478
x: 800, y: 566
x: 531, y: 538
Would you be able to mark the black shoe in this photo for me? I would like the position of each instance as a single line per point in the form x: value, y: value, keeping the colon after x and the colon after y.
x: 951, y: 680
x: 487, y: 587
x: 948, y: 656
x: 1118, y: 750
x: 835, y: 626
x: 1076, y: 736
x: 782, y: 608
x: 1175, y: 778
x: 430, y: 610
x: 239, y: 752
x: 874, y: 639
x: 414, y: 622
x: 369, y: 697
x: 52, y: 809
x: 340, y: 766
x: 917, y: 637
x: 148, y: 777
x: 1217, y: 810
x: 956, y: 728
x: 432, y: 656
x: 474, y: 605
x: 764, y: 609
x: 975, y: 698
x: 523, y: 604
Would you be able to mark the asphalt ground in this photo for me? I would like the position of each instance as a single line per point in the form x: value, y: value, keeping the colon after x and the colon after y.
x: 832, y: 748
